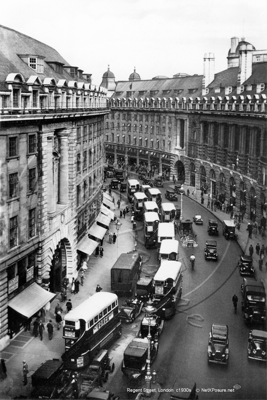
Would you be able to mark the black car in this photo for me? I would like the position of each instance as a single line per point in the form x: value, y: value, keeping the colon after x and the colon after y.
x: 245, y: 266
x: 158, y: 182
x: 172, y: 196
x: 211, y: 250
x: 114, y: 184
x: 213, y: 227
x: 257, y: 341
x: 218, y: 347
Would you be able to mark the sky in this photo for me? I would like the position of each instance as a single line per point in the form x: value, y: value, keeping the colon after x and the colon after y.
x: 157, y: 37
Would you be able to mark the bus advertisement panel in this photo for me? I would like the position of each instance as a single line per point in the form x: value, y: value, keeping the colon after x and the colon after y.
x: 92, y: 325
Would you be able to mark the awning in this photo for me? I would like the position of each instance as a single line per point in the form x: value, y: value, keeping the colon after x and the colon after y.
x: 96, y: 232
x: 109, y: 204
x: 106, y: 211
x: 107, y: 196
x: 87, y: 245
x: 31, y: 300
x: 103, y: 220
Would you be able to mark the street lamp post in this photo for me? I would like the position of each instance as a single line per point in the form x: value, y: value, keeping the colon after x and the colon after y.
x: 118, y: 225
x: 148, y: 378
x: 182, y: 192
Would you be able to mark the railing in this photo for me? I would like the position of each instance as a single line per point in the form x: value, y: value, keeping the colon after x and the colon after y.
x: 55, y: 110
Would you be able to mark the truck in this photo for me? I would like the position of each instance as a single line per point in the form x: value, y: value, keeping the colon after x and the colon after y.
x: 135, y: 357
x: 48, y: 380
x: 253, y: 301
x: 125, y: 273
x: 96, y: 374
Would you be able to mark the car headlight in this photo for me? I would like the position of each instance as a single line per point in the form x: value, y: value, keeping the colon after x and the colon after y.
x: 249, y: 351
x: 263, y: 353
x: 254, y: 351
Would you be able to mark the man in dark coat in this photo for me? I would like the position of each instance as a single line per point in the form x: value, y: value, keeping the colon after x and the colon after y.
x: 69, y: 305
x: 41, y: 330
x: 50, y: 329
x: 114, y: 238
x: 77, y: 286
x: 35, y: 327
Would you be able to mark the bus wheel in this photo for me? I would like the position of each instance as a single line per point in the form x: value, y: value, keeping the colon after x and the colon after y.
x: 112, y: 367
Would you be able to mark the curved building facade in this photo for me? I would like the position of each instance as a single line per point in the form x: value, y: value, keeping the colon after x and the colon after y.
x: 208, y: 130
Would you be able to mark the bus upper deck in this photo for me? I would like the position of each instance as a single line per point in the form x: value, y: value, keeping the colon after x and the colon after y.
x: 133, y: 186
x: 151, y: 206
x: 165, y: 231
x: 169, y: 250
x: 154, y: 194
x: 168, y: 212
x: 167, y: 278
x: 89, y: 326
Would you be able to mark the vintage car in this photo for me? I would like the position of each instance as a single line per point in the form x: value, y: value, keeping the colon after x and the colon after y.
x: 210, y: 250
x: 158, y: 182
x: 144, y: 288
x: 257, y: 341
x: 131, y: 310
x: 123, y: 187
x: 253, y: 301
x: 218, y: 347
x: 229, y: 229
x: 178, y: 188
x: 213, y: 227
x: 170, y: 195
x: 245, y: 266
x: 114, y: 184
x: 198, y: 219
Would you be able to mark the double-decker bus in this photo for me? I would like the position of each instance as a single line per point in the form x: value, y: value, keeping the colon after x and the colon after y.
x: 165, y: 231
x: 92, y: 325
x: 133, y: 186
x: 151, y: 221
x: 168, y: 212
x: 154, y: 194
x: 139, y: 200
x: 167, y: 284
x: 169, y: 250
x: 151, y: 206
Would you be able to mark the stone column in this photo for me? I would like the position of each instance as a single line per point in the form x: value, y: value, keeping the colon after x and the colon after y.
x: 160, y: 164
x: 50, y: 176
x: 63, y: 169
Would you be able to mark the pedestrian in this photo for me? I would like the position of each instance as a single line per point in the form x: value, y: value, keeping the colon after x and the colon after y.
x: 121, y: 213
x: 25, y: 371
x: 69, y: 305
x: 77, y: 286
x: 258, y: 247
x: 3, y: 370
x: 82, y: 277
x: 50, y: 329
x: 235, y: 301
x: 251, y: 250
x: 114, y: 238
x: 35, y: 327
x: 110, y: 238
x: 98, y: 288
x: 262, y: 250
x: 41, y: 329
x: 73, y: 285
x: 124, y: 213
x: 249, y: 229
x: 119, y: 203
x: 58, y: 308
x: 101, y: 251
x: 58, y: 320
x: 28, y: 324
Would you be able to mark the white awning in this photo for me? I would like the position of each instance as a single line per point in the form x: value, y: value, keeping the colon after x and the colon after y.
x: 103, y: 220
x: 107, y: 196
x: 87, y: 245
x: 31, y: 300
x: 109, y: 204
x: 96, y: 232
x: 106, y: 211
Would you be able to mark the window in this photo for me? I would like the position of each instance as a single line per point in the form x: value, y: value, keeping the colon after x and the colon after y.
x: 13, y: 185
x: 37, y: 64
x: 84, y: 160
x: 79, y: 136
x: 13, y: 146
x: 13, y: 232
x: 78, y: 162
x: 129, y: 139
x: 33, y: 62
x: 34, y: 98
x: 32, y: 179
x: 15, y: 98
x: 32, y: 223
x: 4, y: 101
x: 32, y: 143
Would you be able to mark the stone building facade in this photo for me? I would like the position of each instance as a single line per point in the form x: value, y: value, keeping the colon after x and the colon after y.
x: 208, y: 130
x: 51, y: 168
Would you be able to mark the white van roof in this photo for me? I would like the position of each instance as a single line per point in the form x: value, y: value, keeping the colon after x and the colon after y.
x: 151, y: 205
x: 151, y: 216
x: 168, y: 206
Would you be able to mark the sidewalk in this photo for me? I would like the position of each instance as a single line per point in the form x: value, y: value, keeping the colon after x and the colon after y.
x: 34, y: 351
x: 242, y: 235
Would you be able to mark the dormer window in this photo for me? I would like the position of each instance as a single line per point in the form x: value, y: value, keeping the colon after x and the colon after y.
x: 36, y: 64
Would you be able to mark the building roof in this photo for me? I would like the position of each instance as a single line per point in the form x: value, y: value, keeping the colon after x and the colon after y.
x: 134, y: 76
